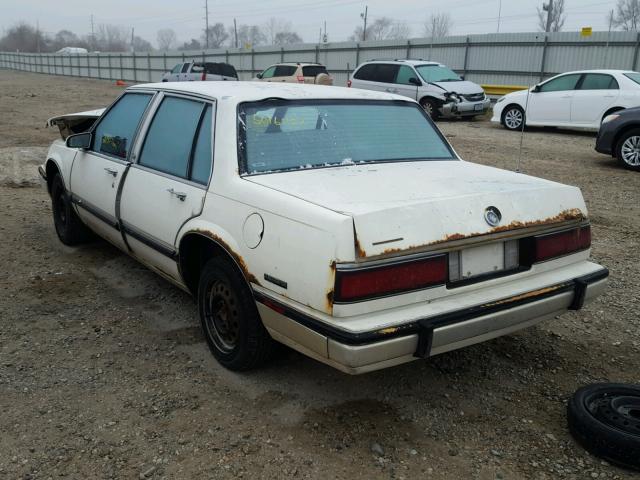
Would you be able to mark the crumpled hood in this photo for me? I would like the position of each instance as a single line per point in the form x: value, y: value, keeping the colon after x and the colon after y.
x: 408, y: 205
x: 464, y: 87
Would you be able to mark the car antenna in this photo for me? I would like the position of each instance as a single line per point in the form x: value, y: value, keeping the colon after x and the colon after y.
x: 524, y: 118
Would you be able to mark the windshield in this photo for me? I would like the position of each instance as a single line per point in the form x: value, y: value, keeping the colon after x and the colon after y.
x: 278, y: 135
x: 635, y: 76
x: 437, y: 73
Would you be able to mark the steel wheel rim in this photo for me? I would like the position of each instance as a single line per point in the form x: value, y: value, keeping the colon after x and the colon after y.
x: 513, y: 118
x: 630, y: 151
x: 619, y: 411
x: 222, y: 318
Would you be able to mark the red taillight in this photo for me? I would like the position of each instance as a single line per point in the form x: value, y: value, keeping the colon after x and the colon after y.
x: 359, y: 284
x: 562, y: 243
x: 349, y: 83
x: 204, y: 76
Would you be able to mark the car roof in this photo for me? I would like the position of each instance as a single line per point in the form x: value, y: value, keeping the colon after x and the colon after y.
x: 610, y: 71
x: 413, y: 62
x: 251, y: 91
x: 295, y: 64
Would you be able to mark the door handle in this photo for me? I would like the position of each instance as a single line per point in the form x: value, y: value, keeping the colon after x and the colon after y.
x: 179, y: 195
x: 111, y: 171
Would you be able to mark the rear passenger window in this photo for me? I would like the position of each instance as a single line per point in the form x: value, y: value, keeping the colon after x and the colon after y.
x: 378, y: 72
x: 202, y: 154
x: 366, y: 72
x: 169, y: 141
x: 114, y: 134
x: 598, y: 81
x: 313, y: 70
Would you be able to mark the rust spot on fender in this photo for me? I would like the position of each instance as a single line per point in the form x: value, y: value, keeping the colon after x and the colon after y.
x: 238, y: 259
x: 564, y: 216
x: 330, y: 302
x: 360, y: 252
x: 389, y: 330
x: 534, y: 293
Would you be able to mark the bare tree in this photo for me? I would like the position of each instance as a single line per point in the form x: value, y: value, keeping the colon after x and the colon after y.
x: 141, y: 45
x: 66, y: 38
x: 287, y: 38
x: 25, y: 38
x: 249, y: 36
x: 112, y: 38
x: 192, y: 45
x: 166, y: 39
x: 217, y: 36
x: 383, y: 28
x: 438, y: 25
x: 627, y: 15
x: 552, y: 14
x: 273, y: 27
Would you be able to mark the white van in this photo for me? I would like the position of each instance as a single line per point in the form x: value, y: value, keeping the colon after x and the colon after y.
x: 440, y: 91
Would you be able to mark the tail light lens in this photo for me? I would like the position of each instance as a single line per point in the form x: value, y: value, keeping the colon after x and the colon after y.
x: 360, y: 284
x: 563, y: 243
x: 349, y: 83
x: 300, y: 79
x: 204, y: 76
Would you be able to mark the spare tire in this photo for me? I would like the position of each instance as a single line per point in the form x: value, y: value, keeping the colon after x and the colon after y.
x: 323, y: 79
x: 605, y: 419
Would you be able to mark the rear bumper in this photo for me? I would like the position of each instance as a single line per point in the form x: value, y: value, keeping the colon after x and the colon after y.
x: 362, y: 352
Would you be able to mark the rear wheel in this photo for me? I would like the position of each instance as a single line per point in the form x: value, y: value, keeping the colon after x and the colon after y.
x: 628, y: 149
x: 513, y: 117
x: 69, y: 227
x: 229, y: 317
x: 430, y: 107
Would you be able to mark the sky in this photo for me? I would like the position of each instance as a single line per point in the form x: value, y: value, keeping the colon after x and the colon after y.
x: 186, y: 17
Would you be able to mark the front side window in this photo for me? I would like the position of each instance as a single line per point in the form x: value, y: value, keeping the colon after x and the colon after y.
x: 114, y: 134
x: 185, y: 67
x: 598, y: 81
x: 565, y: 82
x: 437, y: 73
x: 268, y: 73
x: 404, y: 74
x: 169, y: 141
x: 177, y: 68
x: 291, y: 135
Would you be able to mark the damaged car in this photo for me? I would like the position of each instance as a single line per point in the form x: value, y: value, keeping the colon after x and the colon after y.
x: 337, y: 221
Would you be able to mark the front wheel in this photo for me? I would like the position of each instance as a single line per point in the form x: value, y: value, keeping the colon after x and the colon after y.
x: 430, y: 107
x: 70, y: 229
x: 229, y: 317
x: 513, y: 117
x: 628, y: 150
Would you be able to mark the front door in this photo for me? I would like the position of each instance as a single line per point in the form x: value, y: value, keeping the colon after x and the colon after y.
x: 551, y: 103
x: 402, y: 84
x: 167, y: 185
x: 96, y: 173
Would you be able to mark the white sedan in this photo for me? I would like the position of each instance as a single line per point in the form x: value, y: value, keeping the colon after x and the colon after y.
x: 573, y: 100
x: 337, y: 221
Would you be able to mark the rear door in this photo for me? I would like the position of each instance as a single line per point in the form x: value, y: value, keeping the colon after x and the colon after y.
x: 551, y: 104
x: 174, y: 75
x: 377, y: 76
x: 167, y: 185
x: 97, y: 173
x: 183, y: 76
x: 596, y: 93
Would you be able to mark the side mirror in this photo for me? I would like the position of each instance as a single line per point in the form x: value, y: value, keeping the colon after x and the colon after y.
x: 259, y: 76
x: 461, y: 77
x: 79, y: 140
x: 536, y: 89
x: 415, y: 81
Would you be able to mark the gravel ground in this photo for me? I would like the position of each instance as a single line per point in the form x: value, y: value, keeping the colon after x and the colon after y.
x: 105, y: 374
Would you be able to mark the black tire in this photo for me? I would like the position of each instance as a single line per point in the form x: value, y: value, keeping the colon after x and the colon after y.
x: 628, y: 142
x: 70, y: 229
x: 431, y: 107
x: 229, y: 317
x: 510, y: 116
x: 605, y: 419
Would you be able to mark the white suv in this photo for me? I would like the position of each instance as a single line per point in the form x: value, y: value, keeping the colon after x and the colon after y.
x: 440, y: 91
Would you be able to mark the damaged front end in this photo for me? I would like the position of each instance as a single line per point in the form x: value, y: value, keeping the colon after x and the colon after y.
x: 73, y: 123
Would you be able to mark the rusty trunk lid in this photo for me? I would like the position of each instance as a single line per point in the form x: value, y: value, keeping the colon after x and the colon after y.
x: 398, y: 207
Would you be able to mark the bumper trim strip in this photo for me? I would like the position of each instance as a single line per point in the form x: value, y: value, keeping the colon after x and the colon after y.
x: 426, y: 325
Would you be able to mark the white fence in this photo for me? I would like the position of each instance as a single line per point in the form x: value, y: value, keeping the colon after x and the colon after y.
x: 499, y: 59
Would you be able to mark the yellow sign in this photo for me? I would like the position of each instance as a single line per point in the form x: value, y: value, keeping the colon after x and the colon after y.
x: 586, y: 31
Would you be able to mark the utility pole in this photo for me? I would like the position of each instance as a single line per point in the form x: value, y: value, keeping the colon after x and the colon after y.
x: 235, y: 31
x: 93, y: 35
x: 324, y: 37
x: 133, y: 48
x: 364, y: 28
x: 499, y: 14
x: 38, y: 36
x: 206, y: 22
x: 548, y: 7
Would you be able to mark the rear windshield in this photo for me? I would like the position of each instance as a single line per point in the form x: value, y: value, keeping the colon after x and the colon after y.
x: 635, y: 76
x: 313, y: 70
x: 437, y: 73
x: 280, y: 135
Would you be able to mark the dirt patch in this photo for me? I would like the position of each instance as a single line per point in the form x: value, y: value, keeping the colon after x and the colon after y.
x: 103, y: 372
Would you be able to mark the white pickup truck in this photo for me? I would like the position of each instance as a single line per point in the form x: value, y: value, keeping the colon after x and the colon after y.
x: 337, y: 221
